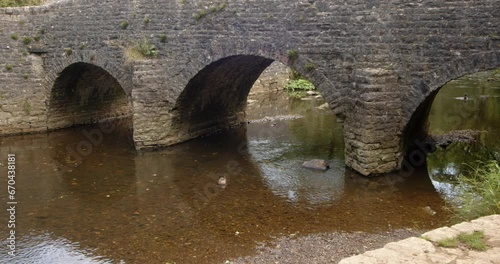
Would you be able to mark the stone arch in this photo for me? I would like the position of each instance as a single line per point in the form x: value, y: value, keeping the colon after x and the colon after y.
x: 84, y: 92
x: 215, y: 96
x: 217, y: 50
x: 117, y: 69
x: 415, y: 120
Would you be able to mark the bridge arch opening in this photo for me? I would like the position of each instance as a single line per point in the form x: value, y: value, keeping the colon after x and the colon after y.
x: 465, y: 110
x: 84, y: 94
x: 215, y: 98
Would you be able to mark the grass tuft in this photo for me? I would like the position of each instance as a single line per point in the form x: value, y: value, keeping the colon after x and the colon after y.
x: 310, y: 67
x: 448, y: 242
x: 27, y: 40
x: 481, y: 195
x: 293, y: 55
x: 27, y: 107
x: 18, y: 3
x: 474, y: 240
x: 140, y: 50
x: 68, y: 51
x: 124, y: 24
x: 163, y: 38
x: 201, y: 14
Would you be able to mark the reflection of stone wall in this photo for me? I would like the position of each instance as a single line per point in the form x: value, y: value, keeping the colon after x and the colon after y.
x: 274, y: 78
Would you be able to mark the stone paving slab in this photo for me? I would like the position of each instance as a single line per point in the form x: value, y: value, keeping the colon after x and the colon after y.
x: 425, y: 249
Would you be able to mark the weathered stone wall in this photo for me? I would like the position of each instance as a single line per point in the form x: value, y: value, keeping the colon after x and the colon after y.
x: 273, y: 79
x: 22, y: 98
x: 374, y: 62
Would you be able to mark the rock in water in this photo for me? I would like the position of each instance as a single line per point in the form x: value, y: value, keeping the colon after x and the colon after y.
x: 429, y: 210
x: 324, y: 106
x: 316, y: 164
x: 222, y: 181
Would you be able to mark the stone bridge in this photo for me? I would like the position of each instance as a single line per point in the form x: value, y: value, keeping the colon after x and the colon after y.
x: 378, y: 64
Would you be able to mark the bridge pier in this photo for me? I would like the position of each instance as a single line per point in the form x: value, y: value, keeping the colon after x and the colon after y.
x: 372, y: 129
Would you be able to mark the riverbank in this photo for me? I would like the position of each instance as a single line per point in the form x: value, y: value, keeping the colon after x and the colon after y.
x: 323, y: 248
x: 414, y: 246
x: 441, y: 246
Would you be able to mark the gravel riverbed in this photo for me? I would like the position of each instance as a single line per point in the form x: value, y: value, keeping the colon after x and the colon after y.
x: 323, y: 248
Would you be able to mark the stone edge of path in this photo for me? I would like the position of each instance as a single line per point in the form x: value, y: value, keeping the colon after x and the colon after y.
x: 424, y: 249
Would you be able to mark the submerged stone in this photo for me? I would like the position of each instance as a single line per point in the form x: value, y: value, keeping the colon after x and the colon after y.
x: 316, y: 164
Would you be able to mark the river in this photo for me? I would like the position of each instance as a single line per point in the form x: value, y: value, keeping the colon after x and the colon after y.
x: 113, y: 205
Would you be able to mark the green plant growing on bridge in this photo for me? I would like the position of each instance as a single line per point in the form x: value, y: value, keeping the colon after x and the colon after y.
x: 124, y: 24
x: 9, y: 67
x: 292, y: 55
x: 16, y: 3
x: 141, y: 50
x: 309, y: 67
x: 27, y: 107
x: 68, y: 51
x: 163, y: 38
x: 41, y: 31
x: 494, y: 36
x: 295, y: 75
x: 36, y: 38
x: 222, y: 6
x: 27, y: 40
x: 146, y: 20
x: 212, y: 9
x: 14, y: 37
x: 201, y: 14
x: 82, y: 46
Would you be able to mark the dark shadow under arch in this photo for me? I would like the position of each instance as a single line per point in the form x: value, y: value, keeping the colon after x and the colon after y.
x: 84, y: 93
x: 214, y: 98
